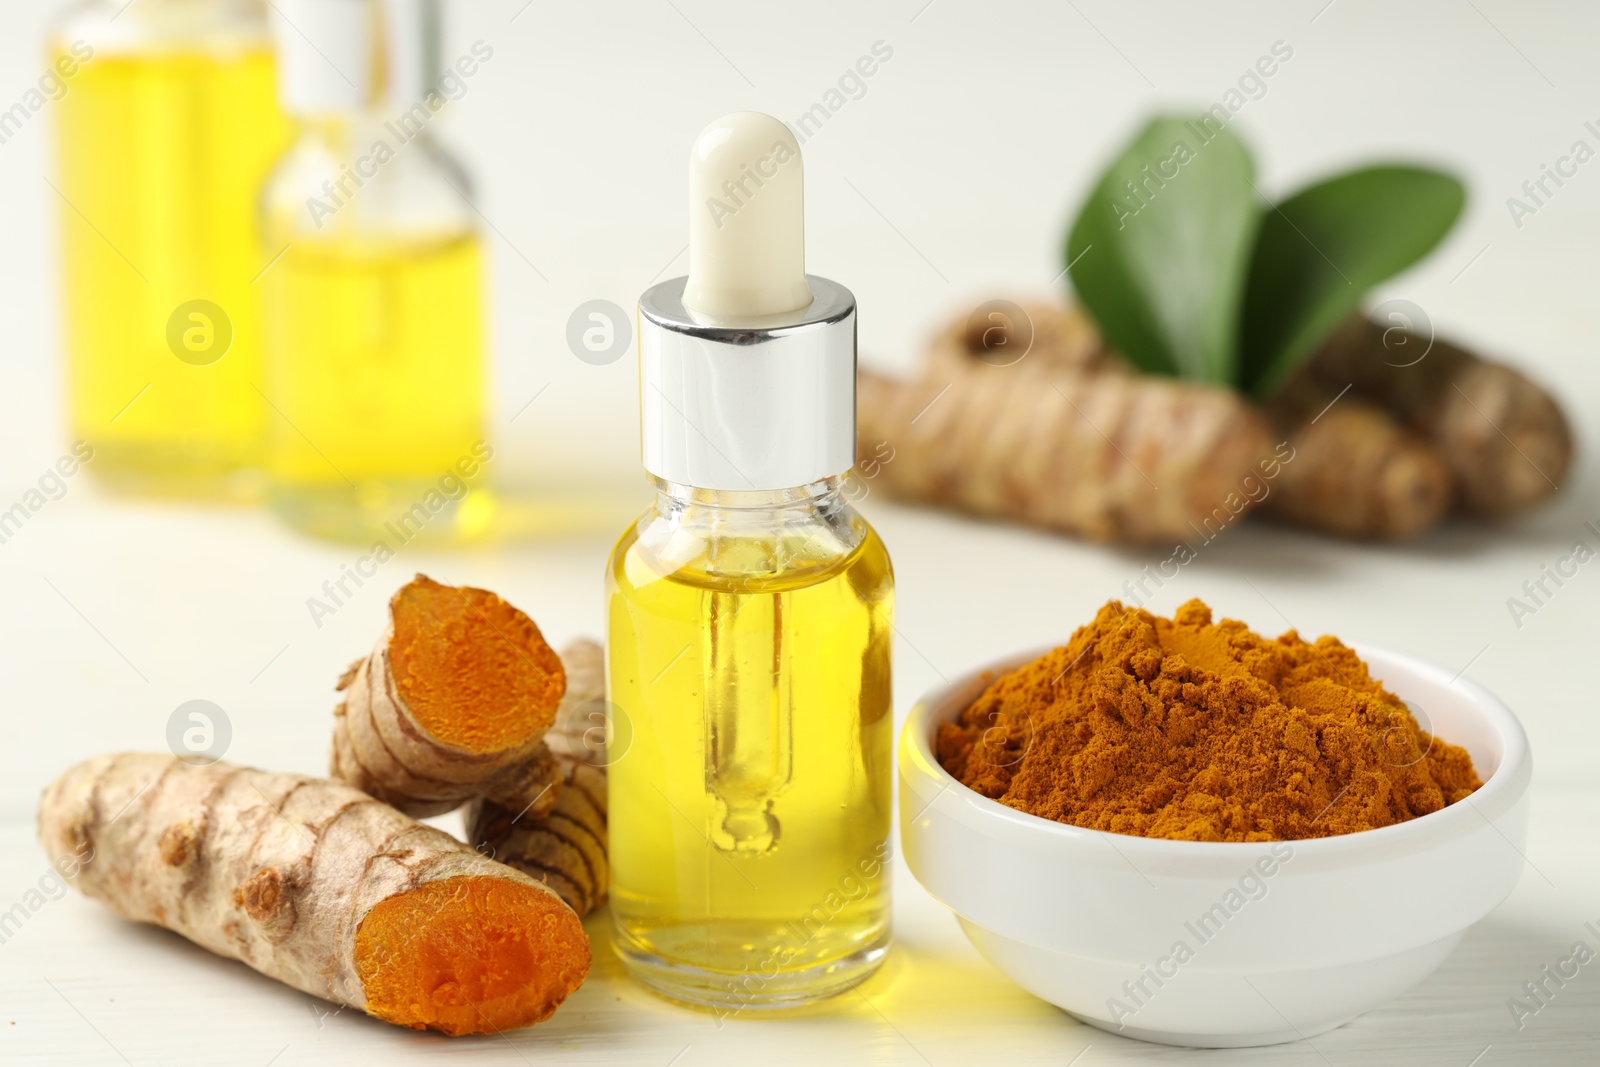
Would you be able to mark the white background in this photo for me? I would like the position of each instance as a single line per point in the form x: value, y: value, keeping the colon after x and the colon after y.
x: 949, y: 182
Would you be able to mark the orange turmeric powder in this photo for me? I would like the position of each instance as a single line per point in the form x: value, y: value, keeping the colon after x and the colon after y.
x: 1187, y: 729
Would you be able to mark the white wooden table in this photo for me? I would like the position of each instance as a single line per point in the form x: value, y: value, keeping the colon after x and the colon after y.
x: 947, y: 183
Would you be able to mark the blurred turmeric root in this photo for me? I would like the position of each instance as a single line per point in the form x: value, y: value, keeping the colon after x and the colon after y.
x: 1058, y: 431
x: 1504, y: 439
x: 1067, y: 438
x: 1357, y: 472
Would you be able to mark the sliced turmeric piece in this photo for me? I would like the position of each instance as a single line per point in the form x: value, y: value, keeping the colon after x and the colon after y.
x: 319, y: 886
x: 467, y: 955
x: 474, y: 671
x: 453, y: 703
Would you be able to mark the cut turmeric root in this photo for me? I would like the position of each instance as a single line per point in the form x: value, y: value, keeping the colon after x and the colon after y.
x: 565, y: 849
x: 319, y: 886
x: 468, y: 675
x: 453, y: 703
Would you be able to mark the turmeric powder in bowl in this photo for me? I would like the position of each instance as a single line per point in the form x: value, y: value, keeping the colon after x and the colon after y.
x: 1192, y: 730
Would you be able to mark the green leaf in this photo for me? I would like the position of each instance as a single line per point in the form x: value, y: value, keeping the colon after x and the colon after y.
x: 1161, y: 249
x: 1321, y: 250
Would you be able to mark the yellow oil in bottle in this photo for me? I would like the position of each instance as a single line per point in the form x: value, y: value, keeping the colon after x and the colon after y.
x: 160, y: 159
x: 750, y: 754
x: 376, y: 365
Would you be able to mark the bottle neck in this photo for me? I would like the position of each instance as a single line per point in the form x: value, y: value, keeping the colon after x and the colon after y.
x: 349, y: 135
x: 801, y: 498
x: 114, y: 27
x: 243, y: 9
x: 741, y: 533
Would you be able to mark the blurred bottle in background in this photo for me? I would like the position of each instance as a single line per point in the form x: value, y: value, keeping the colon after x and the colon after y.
x: 374, y: 301
x: 169, y: 128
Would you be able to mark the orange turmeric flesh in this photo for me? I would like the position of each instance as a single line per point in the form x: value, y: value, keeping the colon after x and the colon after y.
x: 475, y: 672
x: 470, y: 955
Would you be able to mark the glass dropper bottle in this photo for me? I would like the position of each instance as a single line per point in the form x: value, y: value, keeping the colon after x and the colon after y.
x: 374, y: 298
x: 167, y: 122
x: 750, y: 617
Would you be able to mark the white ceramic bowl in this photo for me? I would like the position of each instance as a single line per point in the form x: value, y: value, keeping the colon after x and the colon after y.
x: 1280, y: 941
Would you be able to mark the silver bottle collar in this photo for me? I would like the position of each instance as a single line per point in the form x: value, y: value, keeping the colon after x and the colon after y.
x: 758, y: 404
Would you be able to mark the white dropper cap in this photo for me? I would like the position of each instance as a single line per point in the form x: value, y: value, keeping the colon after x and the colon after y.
x: 747, y: 223
x: 747, y: 367
x: 328, y: 55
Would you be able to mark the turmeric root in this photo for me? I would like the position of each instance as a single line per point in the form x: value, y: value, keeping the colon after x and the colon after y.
x: 1109, y: 455
x: 452, y: 703
x: 1031, y: 417
x: 1505, y: 439
x: 1356, y: 472
x: 565, y: 849
x: 319, y: 886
